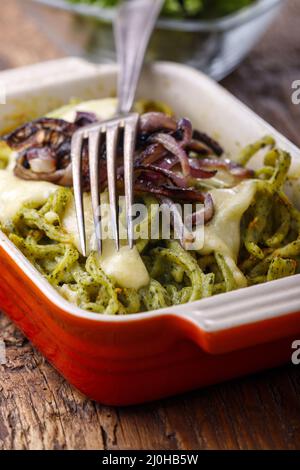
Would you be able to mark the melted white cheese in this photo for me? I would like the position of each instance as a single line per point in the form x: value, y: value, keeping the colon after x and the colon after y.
x: 125, y: 266
x: 222, y: 234
x: 15, y: 192
x: 104, y: 109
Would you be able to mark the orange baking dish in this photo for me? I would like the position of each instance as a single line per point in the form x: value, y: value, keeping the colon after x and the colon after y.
x: 121, y: 360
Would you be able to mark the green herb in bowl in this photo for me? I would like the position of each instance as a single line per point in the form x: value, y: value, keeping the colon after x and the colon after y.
x: 211, y: 35
x: 187, y: 8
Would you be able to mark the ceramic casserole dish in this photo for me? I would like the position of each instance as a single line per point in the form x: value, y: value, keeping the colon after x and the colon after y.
x: 121, y: 360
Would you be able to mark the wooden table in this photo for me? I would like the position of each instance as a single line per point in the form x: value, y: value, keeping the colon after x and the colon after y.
x: 39, y: 410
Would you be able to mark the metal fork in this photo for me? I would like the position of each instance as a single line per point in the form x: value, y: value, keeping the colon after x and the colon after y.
x: 134, y: 25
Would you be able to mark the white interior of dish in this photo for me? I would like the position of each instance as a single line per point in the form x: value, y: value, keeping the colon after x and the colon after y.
x: 37, y: 89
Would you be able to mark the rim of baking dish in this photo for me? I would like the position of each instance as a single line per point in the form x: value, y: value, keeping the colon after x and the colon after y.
x: 223, y: 311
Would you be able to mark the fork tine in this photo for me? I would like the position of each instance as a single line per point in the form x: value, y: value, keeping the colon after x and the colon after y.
x: 94, y: 144
x: 130, y: 131
x: 76, y: 157
x: 111, y: 154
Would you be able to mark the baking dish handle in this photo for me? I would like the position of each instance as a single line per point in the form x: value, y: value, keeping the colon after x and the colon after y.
x: 245, y: 306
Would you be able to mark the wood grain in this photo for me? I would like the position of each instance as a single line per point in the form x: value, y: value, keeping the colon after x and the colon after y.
x: 39, y: 410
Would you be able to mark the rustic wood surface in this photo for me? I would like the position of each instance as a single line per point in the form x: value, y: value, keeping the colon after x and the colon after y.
x: 39, y: 410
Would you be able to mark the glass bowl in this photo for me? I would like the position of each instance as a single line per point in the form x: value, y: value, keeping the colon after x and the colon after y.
x: 214, y: 46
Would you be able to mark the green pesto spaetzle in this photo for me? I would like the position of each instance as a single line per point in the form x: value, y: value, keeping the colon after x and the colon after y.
x: 269, y: 249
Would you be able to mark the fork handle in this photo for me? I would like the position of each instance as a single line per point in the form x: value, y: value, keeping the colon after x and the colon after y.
x: 133, y: 26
